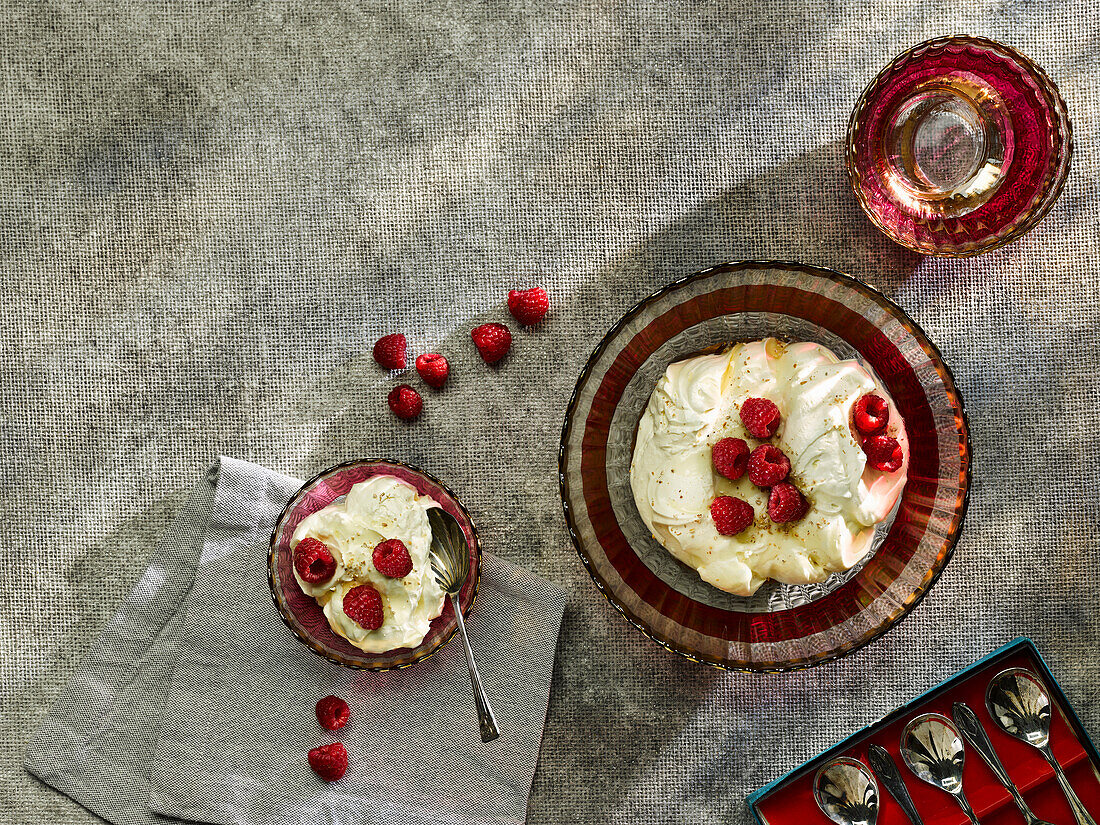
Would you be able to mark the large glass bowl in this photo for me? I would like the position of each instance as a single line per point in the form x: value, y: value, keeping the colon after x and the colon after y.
x: 305, y: 617
x: 781, y: 627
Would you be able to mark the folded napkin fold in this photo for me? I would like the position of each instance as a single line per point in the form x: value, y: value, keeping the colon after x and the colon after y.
x: 197, y: 703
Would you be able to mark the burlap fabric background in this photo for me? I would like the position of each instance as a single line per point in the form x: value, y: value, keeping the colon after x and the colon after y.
x: 209, y: 211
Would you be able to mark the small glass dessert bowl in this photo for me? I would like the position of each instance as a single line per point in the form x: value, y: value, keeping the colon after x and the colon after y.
x: 959, y: 146
x: 305, y: 614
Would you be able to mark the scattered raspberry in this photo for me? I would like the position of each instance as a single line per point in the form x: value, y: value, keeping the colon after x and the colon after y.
x: 731, y: 515
x: 883, y: 453
x: 492, y: 341
x: 389, y: 351
x: 433, y: 368
x: 760, y: 417
x: 313, y: 561
x: 391, y: 558
x: 730, y: 455
x: 768, y: 466
x: 871, y: 414
x: 405, y: 402
x: 785, y: 503
x: 363, y: 606
x: 333, y: 713
x: 329, y: 762
x: 528, y: 306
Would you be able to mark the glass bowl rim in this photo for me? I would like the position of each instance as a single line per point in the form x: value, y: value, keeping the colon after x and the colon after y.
x: 945, y: 374
x: 475, y: 571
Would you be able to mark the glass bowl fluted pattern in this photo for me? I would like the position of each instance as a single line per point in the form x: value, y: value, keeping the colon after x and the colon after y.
x: 1038, y: 135
x: 301, y: 612
x: 781, y: 627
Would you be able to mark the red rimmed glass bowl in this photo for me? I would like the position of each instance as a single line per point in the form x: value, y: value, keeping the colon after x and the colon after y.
x: 305, y: 617
x: 781, y: 627
x: 960, y: 145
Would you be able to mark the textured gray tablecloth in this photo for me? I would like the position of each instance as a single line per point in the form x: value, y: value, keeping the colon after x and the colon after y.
x: 196, y: 702
x: 209, y: 211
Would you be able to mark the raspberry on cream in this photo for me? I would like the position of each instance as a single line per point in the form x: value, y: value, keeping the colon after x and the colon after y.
x: 376, y: 510
x: 698, y: 402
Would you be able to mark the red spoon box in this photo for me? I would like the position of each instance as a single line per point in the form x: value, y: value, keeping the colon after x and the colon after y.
x: 789, y: 800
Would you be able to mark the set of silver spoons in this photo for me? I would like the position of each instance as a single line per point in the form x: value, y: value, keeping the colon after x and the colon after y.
x: 932, y: 748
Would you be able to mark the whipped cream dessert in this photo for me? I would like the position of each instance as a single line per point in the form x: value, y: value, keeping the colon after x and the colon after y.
x: 696, y: 404
x: 380, y: 508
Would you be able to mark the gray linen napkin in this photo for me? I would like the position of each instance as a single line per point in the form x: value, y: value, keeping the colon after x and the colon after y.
x: 196, y: 701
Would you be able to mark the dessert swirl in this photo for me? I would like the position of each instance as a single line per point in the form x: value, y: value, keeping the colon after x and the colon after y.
x: 697, y: 403
x: 376, y: 510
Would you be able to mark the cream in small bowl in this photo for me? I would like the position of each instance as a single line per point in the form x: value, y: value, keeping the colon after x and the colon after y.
x: 376, y: 510
x: 697, y: 403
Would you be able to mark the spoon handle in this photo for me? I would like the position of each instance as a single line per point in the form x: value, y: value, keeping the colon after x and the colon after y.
x: 975, y: 734
x: 1079, y: 812
x: 485, y: 718
x: 973, y: 817
x: 887, y: 771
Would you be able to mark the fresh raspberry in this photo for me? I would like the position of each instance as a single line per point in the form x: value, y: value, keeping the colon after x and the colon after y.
x: 330, y: 761
x: 883, y: 453
x: 731, y: 515
x: 730, y: 455
x: 871, y: 414
x: 433, y: 368
x: 313, y: 561
x: 768, y: 466
x: 492, y: 341
x: 528, y: 306
x: 760, y: 417
x: 333, y: 713
x: 363, y: 606
x: 391, y: 558
x: 389, y: 351
x: 405, y: 402
x: 785, y: 503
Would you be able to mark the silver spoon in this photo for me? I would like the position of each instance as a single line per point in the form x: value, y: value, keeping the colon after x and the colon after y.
x: 1019, y: 705
x: 932, y: 749
x: 846, y: 792
x: 887, y: 771
x: 975, y: 734
x: 451, y: 565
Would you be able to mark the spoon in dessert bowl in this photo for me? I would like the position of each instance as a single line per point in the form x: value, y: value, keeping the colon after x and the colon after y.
x: 846, y: 792
x: 450, y: 561
x: 1020, y: 706
x: 933, y: 750
x: 975, y: 734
